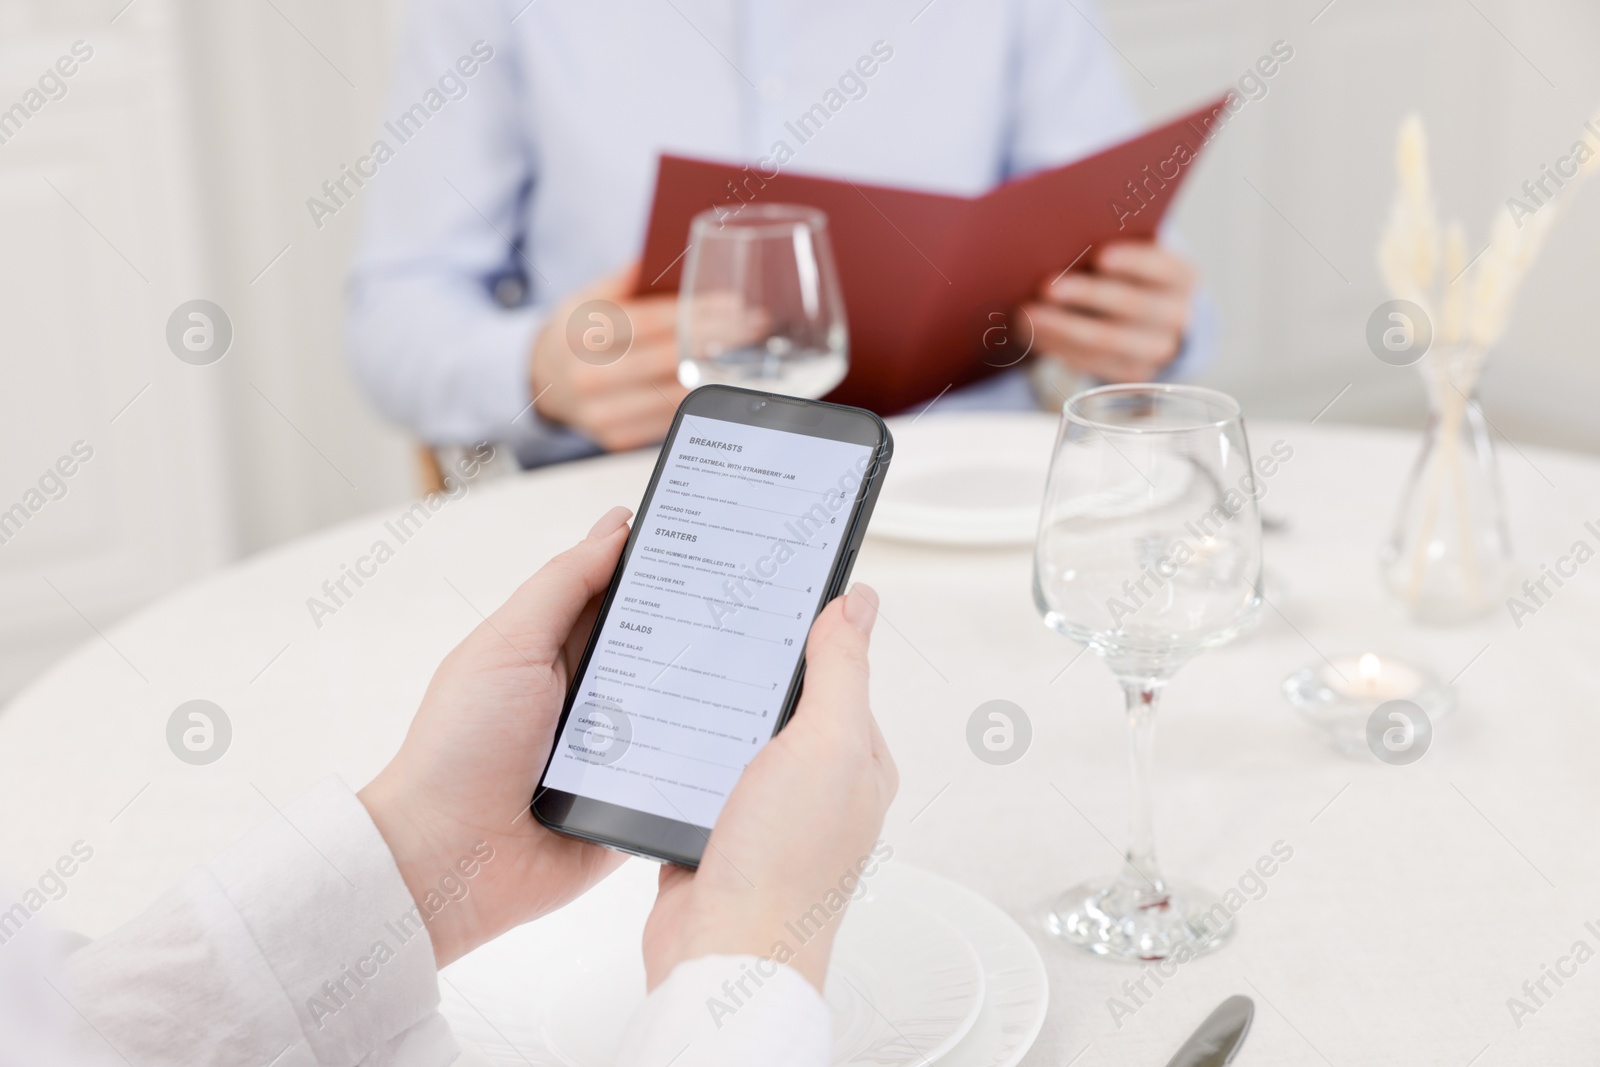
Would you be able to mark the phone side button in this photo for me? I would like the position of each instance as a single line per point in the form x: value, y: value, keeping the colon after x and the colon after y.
x: 844, y: 575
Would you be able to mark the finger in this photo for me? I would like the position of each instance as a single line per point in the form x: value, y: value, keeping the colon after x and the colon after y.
x: 729, y: 319
x: 578, y: 638
x: 1105, y: 366
x: 632, y: 418
x: 1117, y: 298
x: 644, y: 363
x: 658, y: 397
x: 607, y: 524
x: 1147, y: 262
x: 537, y: 618
x: 618, y: 285
x: 641, y: 433
x: 835, y: 695
x: 592, y: 861
x: 652, y: 318
x: 1060, y: 329
x: 1110, y: 366
x: 647, y: 315
x: 671, y: 875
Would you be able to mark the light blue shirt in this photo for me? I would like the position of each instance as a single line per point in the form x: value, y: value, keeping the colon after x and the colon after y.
x: 541, y: 160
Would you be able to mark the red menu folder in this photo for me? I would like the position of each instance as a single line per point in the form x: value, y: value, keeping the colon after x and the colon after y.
x: 927, y: 276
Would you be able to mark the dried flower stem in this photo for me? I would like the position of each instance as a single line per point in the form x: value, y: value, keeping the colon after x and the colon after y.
x: 1471, y: 306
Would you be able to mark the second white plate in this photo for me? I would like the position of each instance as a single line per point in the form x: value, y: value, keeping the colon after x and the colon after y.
x: 1016, y: 991
x: 967, y: 478
x: 906, y: 986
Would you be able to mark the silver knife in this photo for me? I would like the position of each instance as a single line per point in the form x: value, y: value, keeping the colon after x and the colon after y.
x: 1216, y: 1041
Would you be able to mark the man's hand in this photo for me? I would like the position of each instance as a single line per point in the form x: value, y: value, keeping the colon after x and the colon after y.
x: 453, y: 803
x: 1123, y: 320
x: 800, y: 824
x: 622, y: 401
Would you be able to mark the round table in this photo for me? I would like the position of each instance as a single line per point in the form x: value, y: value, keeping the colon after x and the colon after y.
x: 1418, y: 898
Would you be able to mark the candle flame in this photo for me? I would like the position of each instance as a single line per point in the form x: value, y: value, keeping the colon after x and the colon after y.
x: 1370, y: 667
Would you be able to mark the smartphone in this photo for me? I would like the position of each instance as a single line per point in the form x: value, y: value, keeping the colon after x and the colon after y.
x: 750, y: 525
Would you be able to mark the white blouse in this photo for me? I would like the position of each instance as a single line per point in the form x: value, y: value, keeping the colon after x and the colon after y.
x: 293, y: 949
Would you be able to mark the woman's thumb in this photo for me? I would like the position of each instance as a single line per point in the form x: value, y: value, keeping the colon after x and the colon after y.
x: 836, y: 658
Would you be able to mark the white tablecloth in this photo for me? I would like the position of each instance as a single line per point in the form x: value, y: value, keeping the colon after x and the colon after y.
x: 1417, y: 901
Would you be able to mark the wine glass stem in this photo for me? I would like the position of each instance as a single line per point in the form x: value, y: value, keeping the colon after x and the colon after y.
x: 1141, y: 697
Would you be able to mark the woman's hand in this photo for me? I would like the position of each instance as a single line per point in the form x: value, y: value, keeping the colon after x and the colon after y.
x: 453, y: 803
x: 799, y: 828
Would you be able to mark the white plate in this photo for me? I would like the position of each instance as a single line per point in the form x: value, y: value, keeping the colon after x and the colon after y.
x: 1016, y: 991
x: 905, y: 987
x: 966, y: 478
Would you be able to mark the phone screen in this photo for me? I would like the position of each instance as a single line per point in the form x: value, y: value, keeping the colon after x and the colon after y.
x: 694, y: 660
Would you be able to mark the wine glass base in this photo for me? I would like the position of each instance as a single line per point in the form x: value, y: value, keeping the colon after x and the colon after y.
x: 1129, y: 923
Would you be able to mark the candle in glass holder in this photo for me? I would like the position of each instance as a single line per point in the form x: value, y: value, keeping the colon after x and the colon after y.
x: 1372, y: 678
x: 1338, y: 696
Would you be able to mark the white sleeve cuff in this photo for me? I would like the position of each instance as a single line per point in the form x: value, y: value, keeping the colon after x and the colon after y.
x: 301, y: 941
x: 320, y: 894
x: 730, y: 1011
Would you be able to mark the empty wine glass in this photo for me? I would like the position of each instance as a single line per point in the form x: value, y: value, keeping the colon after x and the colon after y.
x: 760, y: 304
x: 1149, y: 552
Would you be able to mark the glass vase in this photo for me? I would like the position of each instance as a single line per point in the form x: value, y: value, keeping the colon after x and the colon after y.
x: 1449, y: 557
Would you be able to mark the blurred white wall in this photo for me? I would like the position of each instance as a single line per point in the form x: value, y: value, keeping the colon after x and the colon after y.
x: 178, y: 163
x: 280, y: 93
x: 176, y: 166
x: 1284, y: 214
